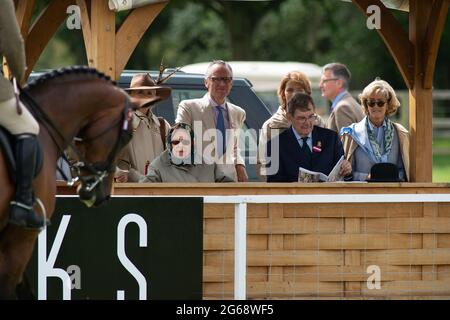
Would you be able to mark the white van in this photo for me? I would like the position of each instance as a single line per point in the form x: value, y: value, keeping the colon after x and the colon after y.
x: 265, y: 77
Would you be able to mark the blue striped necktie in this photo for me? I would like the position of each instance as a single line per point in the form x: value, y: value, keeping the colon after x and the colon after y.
x: 221, y: 136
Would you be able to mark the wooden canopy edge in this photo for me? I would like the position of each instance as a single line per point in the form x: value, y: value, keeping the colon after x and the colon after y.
x: 131, y: 32
x: 43, y: 29
x: 86, y: 27
x: 24, y: 12
x: 395, y: 38
x: 435, y: 28
x: 99, y: 31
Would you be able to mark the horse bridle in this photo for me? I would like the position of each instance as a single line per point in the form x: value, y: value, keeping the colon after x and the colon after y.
x: 98, y: 170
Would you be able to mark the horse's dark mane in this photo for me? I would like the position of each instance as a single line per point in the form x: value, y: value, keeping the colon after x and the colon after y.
x: 74, y: 70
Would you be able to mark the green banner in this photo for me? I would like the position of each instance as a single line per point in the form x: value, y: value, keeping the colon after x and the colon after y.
x: 131, y: 248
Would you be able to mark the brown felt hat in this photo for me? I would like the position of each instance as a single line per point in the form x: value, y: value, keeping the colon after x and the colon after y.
x: 143, y: 81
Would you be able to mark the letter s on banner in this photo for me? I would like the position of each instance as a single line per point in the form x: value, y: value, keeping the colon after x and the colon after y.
x: 132, y: 217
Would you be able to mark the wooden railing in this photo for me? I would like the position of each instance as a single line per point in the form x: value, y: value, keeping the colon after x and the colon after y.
x: 321, y: 242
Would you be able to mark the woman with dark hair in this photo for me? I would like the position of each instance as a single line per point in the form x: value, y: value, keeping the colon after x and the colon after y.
x: 376, y: 139
x: 180, y: 163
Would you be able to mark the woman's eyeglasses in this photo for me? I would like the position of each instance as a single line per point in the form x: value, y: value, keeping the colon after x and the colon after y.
x: 372, y: 103
x: 183, y: 142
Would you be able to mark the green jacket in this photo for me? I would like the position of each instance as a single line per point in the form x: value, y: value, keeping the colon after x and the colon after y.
x: 12, y: 47
x: 162, y: 170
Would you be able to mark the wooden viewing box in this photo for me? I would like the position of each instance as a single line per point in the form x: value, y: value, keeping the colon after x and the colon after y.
x: 323, y: 250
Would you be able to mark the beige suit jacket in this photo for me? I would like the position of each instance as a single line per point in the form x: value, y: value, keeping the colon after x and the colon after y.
x: 346, y: 112
x: 199, y: 113
x: 145, y: 145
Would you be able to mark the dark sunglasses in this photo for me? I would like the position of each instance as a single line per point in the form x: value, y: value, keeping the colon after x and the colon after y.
x: 183, y: 142
x: 219, y: 79
x: 372, y: 103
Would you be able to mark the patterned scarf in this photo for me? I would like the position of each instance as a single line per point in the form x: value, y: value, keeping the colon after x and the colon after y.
x: 388, y: 137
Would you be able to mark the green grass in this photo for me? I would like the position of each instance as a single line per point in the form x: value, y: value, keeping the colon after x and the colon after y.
x: 441, y: 160
x: 441, y: 143
x: 441, y: 168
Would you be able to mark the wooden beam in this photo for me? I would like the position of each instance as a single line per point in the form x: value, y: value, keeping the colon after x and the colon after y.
x: 24, y: 12
x: 395, y: 38
x: 436, y: 25
x: 131, y: 32
x: 420, y: 98
x: 103, y: 36
x: 43, y: 29
x: 86, y: 27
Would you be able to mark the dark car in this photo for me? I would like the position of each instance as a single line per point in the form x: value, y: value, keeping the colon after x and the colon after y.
x: 189, y: 86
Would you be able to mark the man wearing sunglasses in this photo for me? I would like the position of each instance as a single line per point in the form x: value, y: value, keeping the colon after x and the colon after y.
x: 334, y: 84
x: 305, y: 145
x: 219, y: 120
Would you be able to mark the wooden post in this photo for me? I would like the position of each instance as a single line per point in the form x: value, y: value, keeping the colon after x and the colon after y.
x: 103, y: 38
x: 420, y: 98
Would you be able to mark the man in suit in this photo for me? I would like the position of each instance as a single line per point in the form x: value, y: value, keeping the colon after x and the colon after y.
x: 305, y: 145
x: 334, y: 84
x: 217, y: 120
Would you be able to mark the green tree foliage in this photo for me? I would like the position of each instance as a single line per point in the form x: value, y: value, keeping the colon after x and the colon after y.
x: 323, y: 32
x: 281, y: 30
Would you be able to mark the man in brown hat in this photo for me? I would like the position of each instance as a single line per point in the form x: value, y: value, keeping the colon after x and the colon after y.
x: 149, y: 131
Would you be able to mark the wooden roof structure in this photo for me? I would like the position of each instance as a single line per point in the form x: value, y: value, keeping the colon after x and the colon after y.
x: 108, y: 48
x: 414, y: 51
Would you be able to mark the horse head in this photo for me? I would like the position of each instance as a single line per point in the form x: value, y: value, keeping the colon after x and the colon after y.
x: 96, y: 125
x: 70, y: 104
x: 98, y: 145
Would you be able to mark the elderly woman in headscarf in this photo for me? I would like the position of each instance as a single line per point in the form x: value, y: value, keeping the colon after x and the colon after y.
x: 291, y: 83
x: 180, y: 163
x: 377, y: 139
